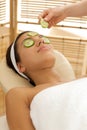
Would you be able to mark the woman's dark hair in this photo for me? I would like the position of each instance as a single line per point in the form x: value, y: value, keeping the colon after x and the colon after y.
x: 17, y: 57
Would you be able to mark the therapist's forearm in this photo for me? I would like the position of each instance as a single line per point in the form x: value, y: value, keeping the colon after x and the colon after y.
x: 77, y: 9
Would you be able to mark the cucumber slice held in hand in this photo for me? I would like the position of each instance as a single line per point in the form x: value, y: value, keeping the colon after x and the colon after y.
x: 28, y: 43
x: 43, y: 23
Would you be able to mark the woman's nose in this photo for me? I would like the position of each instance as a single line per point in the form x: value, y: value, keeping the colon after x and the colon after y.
x: 39, y: 42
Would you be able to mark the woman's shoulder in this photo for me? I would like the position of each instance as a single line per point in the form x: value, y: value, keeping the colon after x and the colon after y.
x: 27, y: 93
x: 42, y: 87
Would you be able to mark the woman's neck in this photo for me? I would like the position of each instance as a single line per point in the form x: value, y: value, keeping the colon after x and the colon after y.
x: 46, y: 76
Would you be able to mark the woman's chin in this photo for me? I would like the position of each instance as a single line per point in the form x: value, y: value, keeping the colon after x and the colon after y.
x: 49, y: 59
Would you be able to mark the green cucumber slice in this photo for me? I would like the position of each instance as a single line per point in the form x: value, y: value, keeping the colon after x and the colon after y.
x: 32, y: 33
x: 28, y: 43
x: 43, y: 23
x: 46, y: 40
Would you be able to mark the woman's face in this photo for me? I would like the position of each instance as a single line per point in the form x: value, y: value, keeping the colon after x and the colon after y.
x: 37, y: 56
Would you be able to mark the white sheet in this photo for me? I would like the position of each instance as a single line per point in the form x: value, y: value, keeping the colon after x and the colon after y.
x: 62, y: 107
x: 3, y: 123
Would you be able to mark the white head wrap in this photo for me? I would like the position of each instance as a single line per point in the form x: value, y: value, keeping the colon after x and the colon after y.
x: 13, y: 60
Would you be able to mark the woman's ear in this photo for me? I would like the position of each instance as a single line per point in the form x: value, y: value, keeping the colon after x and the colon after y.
x: 21, y: 67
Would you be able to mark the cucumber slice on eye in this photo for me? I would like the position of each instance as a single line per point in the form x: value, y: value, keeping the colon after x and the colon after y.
x: 28, y: 43
x: 43, y: 23
x: 46, y: 40
x: 32, y: 34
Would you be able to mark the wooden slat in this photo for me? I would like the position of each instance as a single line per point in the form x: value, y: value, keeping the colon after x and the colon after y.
x: 2, y: 102
x: 13, y: 20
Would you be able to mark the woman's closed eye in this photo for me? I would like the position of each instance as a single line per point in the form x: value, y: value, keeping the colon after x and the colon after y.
x: 28, y: 42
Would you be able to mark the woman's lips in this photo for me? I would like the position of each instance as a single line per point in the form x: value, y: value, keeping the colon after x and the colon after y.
x: 42, y: 48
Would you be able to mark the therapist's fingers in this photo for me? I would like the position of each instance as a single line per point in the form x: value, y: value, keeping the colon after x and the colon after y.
x: 46, y: 14
x: 55, y: 20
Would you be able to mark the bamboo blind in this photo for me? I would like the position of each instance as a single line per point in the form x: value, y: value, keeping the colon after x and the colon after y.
x: 73, y: 49
x: 4, y: 12
x: 4, y: 30
x: 29, y: 10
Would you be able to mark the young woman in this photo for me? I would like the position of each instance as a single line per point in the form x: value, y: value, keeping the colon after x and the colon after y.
x: 57, y: 14
x: 32, y: 56
x: 48, y: 105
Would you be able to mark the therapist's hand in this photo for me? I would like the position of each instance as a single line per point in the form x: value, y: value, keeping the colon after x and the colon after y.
x: 53, y: 15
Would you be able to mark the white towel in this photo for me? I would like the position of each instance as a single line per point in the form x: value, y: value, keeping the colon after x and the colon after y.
x: 61, y: 107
